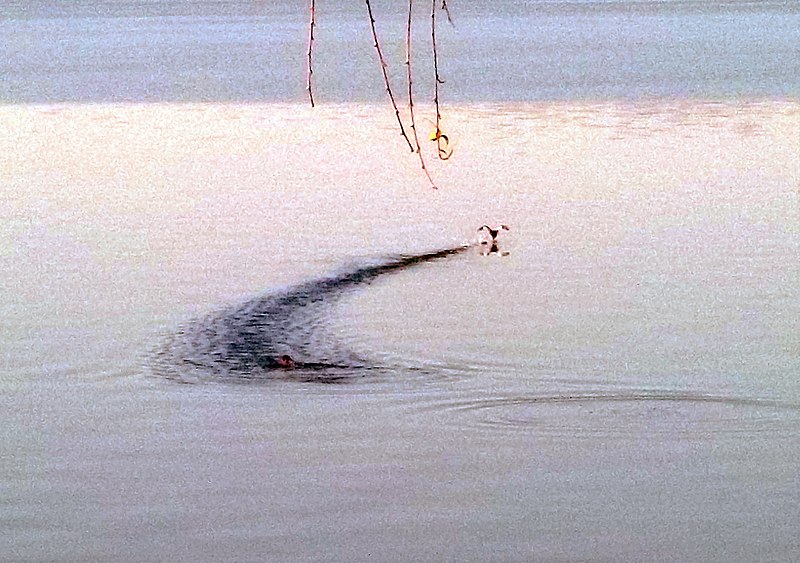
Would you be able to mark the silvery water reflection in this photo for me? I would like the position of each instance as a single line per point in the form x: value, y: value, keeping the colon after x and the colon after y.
x: 103, y: 51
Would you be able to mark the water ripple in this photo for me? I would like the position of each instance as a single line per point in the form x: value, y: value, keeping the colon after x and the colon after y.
x: 243, y: 342
x: 630, y: 412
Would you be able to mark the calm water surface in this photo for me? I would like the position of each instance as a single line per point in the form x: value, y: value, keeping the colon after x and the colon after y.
x: 502, y: 50
x: 622, y: 385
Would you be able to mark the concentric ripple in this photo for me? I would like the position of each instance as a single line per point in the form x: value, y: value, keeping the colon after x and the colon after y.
x: 242, y: 342
x: 592, y: 414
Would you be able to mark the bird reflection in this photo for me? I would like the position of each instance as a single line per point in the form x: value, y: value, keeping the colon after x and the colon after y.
x: 493, y: 249
x: 492, y: 245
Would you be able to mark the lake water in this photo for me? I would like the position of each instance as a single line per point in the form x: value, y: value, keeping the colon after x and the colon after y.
x: 504, y: 50
x: 620, y: 381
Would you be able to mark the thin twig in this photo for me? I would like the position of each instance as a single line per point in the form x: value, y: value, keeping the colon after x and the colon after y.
x: 311, y: 25
x: 411, y: 96
x: 447, y: 11
x: 442, y: 142
x: 386, y: 75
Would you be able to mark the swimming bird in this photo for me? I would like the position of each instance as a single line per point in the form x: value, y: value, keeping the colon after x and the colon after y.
x: 493, y: 232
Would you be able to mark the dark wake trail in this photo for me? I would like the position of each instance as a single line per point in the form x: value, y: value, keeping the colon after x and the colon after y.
x: 241, y: 343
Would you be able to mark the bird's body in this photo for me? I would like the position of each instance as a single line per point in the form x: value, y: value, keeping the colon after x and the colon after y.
x: 493, y: 232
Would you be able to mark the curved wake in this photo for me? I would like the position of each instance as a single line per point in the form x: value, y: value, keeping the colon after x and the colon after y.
x: 244, y: 341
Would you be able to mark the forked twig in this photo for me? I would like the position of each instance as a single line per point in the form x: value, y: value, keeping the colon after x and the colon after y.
x: 311, y: 25
x: 411, y: 96
x: 386, y: 75
x: 447, y: 11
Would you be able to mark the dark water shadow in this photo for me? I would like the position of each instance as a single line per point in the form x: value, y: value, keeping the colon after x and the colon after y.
x: 242, y: 343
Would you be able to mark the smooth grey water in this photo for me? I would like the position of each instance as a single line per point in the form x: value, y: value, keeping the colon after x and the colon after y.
x: 496, y: 51
x: 623, y: 384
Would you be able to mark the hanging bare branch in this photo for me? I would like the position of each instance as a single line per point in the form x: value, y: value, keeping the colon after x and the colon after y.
x: 311, y: 25
x: 386, y: 75
x: 442, y: 142
x: 411, y: 96
x: 443, y: 149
